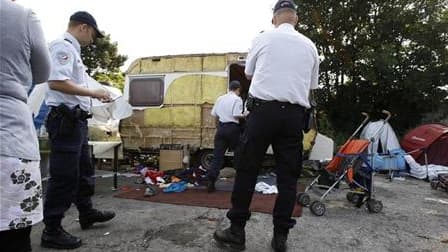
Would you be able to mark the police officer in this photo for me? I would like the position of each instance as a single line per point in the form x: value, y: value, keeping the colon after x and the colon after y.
x: 228, y: 110
x: 283, y: 65
x: 71, y: 171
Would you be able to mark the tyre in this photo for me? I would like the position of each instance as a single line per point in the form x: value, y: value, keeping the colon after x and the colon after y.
x: 434, y: 184
x: 303, y: 199
x: 374, y: 206
x: 349, y: 196
x: 205, y: 158
x: 318, y: 208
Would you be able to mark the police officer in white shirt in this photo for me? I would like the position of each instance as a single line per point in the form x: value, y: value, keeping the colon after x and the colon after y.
x: 71, y: 170
x: 228, y: 109
x: 283, y: 65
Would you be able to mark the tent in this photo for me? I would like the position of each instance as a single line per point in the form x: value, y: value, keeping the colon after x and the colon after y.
x: 385, y: 148
x: 385, y: 138
x: 430, y: 137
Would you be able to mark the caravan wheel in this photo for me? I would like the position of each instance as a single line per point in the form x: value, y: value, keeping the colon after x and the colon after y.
x: 205, y: 158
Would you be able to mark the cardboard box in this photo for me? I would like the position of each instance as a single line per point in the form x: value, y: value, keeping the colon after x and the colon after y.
x: 171, y: 160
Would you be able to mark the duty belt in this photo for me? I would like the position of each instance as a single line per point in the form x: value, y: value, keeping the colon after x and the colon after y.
x: 75, y: 113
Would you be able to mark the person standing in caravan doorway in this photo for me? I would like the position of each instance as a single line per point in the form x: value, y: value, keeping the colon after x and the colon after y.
x: 228, y: 109
x: 71, y: 170
x: 24, y: 61
x: 283, y: 65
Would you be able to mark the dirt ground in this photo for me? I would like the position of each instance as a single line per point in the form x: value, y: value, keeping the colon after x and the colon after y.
x: 414, y: 218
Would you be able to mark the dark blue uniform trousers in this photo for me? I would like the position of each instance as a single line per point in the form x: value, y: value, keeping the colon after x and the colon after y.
x: 279, y: 124
x: 71, y: 170
x: 227, y: 136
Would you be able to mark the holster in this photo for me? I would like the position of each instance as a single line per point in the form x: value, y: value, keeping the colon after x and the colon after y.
x: 308, y: 119
x: 68, y: 117
x: 250, y: 102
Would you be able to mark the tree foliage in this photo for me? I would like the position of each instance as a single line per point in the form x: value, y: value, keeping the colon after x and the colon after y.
x: 103, y: 61
x: 388, y: 54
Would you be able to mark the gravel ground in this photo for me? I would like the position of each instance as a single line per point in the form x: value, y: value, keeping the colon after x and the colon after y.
x: 414, y: 218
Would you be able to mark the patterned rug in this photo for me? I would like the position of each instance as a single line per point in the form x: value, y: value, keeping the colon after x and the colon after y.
x: 200, y: 197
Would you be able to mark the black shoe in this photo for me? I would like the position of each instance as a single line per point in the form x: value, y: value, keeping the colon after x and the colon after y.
x: 58, y: 238
x: 211, y: 185
x: 93, y: 216
x: 278, y: 242
x: 234, y: 238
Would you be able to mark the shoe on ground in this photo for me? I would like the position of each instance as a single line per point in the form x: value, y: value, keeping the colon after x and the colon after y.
x: 58, y: 238
x: 211, y: 185
x: 231, y: 238
x: 94, y: 216
x: 278, y: 242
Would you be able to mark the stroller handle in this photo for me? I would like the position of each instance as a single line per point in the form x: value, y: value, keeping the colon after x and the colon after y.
x: 388, y: 115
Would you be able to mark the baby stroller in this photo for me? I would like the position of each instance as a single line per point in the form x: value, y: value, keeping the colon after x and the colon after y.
x: 353, y: 165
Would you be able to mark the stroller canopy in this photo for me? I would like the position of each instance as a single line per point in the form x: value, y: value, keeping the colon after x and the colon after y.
x: 433, y: 138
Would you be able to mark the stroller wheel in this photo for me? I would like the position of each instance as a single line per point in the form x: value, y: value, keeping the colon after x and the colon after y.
x: 374, y: 206
x: 350, y: 196
x: 303, y: 199
x: 318, y: 208
x: 434, y: 185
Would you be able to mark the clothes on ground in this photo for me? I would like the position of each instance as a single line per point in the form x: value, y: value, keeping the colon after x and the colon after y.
x: 264, y: 188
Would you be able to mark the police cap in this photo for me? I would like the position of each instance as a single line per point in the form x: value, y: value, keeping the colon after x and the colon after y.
x: 85, y: 18
x: 281, y: 4
x: 234, y: 85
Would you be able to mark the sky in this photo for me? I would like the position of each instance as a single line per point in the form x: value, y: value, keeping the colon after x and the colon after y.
x: 163, y: 27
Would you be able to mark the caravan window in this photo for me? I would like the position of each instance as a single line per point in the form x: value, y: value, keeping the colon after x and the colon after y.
x: 146, y: 91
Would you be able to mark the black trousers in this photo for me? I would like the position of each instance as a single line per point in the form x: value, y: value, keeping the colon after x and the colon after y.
x: 71, y: 170
x: 279, y: 124
x: 227, y: 136
x: 16, y: 240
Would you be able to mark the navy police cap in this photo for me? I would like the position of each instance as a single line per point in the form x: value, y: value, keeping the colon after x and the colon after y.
x: 281, y: 4
x: 85, y: 18
x: 233, y: 85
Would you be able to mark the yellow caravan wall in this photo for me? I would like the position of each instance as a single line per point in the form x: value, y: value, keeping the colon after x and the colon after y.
x: 185, y: 116
x: 182, y: 99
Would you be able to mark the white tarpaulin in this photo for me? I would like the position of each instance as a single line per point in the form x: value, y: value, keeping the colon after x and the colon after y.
x: 423, y: 171
x: 105, y: 115
x: 36, y: 98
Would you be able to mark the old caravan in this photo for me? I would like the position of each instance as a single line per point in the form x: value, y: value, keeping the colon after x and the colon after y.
x: 172, y: 97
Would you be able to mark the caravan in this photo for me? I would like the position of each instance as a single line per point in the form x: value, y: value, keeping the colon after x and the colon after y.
x: 172, y: 97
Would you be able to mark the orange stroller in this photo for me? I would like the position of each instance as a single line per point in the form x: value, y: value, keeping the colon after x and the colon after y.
x: 353, y: 165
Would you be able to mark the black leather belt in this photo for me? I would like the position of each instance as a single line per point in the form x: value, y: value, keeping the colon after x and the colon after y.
x: 261, y: 101
x: 63, y: 110
x: 227, y: 123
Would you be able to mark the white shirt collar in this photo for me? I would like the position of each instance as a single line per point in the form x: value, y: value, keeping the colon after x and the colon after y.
x: 286, y: 26
x: 74, y: 41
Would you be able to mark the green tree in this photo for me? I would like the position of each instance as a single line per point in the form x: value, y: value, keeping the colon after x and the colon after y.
x: 103, y: 61
x: 388, y: 54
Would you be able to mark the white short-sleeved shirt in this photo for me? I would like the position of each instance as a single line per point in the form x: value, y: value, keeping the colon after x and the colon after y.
x: 228, y: 107
x: 284, y: 65
x: 66, y: 64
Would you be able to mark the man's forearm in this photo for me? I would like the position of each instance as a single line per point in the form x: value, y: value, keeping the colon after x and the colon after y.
x: 69, y: 87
